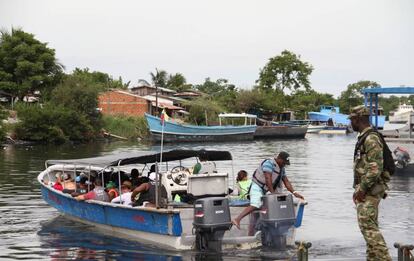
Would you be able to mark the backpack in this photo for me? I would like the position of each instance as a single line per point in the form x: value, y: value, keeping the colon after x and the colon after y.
x: 389, y: 164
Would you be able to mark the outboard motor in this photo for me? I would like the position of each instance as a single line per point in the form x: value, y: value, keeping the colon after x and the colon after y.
x: 402, y: 158
x: 211, y: 220
x: 276, y: 217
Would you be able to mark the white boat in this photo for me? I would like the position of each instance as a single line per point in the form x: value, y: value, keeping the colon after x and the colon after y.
x: 204, y: 225
x: 401, y: 114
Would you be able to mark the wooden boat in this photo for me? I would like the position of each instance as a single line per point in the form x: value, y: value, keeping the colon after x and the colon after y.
x: 169, y: 227
x: 280, y: 132
x: 173, y: 132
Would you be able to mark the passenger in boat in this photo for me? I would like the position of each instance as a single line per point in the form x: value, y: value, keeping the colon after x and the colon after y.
x: 267, y: 178
x: 125, y: 198
x: 144, y: 195
x: 134, y: 177
x: 204, y: 166
x: 112, y: 191
x: 98, y: 193
x: 152, y: 173
x: 82, y: 188
x: 243, y: 184
x: 58, y: 182
x: 69, y: 186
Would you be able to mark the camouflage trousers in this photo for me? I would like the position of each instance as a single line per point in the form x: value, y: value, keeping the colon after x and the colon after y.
x: 367, y: 213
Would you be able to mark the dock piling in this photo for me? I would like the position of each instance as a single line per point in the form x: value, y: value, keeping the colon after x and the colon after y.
x: 303, y: 250
x: 404, y: 252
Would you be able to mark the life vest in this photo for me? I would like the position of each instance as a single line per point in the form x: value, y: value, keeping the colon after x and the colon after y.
x: 244, y: 186
x: 115, y: 192
x: 277, y: 175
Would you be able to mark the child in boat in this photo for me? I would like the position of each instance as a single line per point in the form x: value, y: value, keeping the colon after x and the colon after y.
x: 242, y: 185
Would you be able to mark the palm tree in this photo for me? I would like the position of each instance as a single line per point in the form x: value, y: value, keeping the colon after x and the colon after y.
x: 159, y: 78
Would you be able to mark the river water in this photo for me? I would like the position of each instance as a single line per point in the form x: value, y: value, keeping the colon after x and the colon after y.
x: 321, y: 169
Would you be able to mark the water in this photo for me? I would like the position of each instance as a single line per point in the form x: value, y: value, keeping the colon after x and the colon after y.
x: 321, y: 169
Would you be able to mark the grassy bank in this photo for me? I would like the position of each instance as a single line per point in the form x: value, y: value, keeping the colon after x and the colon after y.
x: 126, y: 126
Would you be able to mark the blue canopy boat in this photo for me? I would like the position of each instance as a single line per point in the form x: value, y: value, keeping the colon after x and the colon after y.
x: 172, y: 131
x: 175, y: 225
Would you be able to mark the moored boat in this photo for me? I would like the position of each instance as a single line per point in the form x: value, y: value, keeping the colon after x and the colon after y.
x: 401, y: 114
x: 280, y: 132
x: 172, y: 226
x: 172, y: 131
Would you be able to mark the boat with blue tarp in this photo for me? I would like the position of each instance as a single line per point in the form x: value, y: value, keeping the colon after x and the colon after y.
x: 203, y: 223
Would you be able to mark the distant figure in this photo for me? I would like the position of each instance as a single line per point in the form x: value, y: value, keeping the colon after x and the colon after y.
x: 370, y: 182
x: 98, y: 193
x: 152, y: 172
x: 204, y: 166
x: 134, y: 177
x: 243, y: 184
x: 267, y: 178
x: 125, y: 198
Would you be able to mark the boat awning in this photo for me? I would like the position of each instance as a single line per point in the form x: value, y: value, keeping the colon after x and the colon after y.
x: 237, y: 115
x: 144, y: 157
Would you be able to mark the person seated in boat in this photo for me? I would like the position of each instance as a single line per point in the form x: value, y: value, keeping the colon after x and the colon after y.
x: 134, y: 177
x: 69, y: 186
x: 111, y: 190
x: 58, y: 182
x: 125, y: 197
x: 144, y: 195
x: 204, y: 166
x: 82, y: 187
x: 242, y: 186
x: 98, y: 193
x: 152, y: 172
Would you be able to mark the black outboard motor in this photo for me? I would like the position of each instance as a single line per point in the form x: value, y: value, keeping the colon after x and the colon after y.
x: 211, y: 220
x: 276, y: 217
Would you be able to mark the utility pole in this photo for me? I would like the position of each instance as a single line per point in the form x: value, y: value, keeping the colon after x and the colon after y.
x: 156, y: 100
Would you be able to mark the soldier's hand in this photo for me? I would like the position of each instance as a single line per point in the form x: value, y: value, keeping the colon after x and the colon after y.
x: 359, y: 196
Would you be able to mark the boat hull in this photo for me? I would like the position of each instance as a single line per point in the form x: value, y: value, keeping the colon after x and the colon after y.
x: 280, y: 132
x: 172, y: 132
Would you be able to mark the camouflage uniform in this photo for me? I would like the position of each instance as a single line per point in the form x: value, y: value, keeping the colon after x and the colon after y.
x: 370, y: 178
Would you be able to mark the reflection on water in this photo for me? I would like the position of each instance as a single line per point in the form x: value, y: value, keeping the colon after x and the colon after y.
x: 321, y: 169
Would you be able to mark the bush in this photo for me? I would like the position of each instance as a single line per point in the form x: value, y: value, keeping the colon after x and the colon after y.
x: 52, y: 124
x: 126, y: 126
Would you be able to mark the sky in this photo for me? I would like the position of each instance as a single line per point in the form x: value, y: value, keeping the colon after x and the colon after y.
x: 344, y: 40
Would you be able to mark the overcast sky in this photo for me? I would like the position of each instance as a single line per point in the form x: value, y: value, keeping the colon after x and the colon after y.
x: 345, y: 40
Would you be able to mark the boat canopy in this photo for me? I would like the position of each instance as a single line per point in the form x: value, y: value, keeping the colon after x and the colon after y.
x: 237, y: 115
x: 144, y: 157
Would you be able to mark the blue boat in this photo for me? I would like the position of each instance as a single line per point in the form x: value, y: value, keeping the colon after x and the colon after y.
x: 328, y: 112
x: 169, y: 227
x: 173, y: 132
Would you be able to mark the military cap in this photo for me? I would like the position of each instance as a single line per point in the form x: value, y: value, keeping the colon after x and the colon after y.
x: 358, y: 111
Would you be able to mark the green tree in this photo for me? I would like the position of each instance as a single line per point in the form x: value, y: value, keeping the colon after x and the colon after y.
x: 26, y: 64
x: 159, y: 78
x: 302, y: 102
x: 178, y: 83
x: 104, y: 80
x: 352, y: 96
x: 285, y: 71
x: 80, y: 96
x: 203, y: 111
x: 2, y: 128
x: 262, y: 102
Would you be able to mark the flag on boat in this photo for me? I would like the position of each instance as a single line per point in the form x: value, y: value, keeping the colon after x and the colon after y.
x: 164, y: 116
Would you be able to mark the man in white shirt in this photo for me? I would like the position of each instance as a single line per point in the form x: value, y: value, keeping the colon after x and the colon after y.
x: 125, y: 197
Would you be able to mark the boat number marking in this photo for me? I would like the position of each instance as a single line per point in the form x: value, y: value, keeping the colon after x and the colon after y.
x: 283, y: 206
x: 138, y: 218
x: 198, y: 205
x: 219, y: 211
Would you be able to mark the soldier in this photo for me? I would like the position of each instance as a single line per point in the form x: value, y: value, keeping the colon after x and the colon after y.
x: 369, y: 183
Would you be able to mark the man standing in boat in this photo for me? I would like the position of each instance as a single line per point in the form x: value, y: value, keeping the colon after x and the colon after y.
x: 370, y: 180
x: 267, y: 178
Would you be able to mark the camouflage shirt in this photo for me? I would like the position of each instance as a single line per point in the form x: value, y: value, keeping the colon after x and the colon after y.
x: 368, y: 162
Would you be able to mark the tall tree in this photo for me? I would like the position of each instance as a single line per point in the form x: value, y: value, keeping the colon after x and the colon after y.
x: 178, y: 82
x: 26, y: 64
x: 159, y: 78
x: 352, y: 96
x: 285, y: 71
x: 302, y: 102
